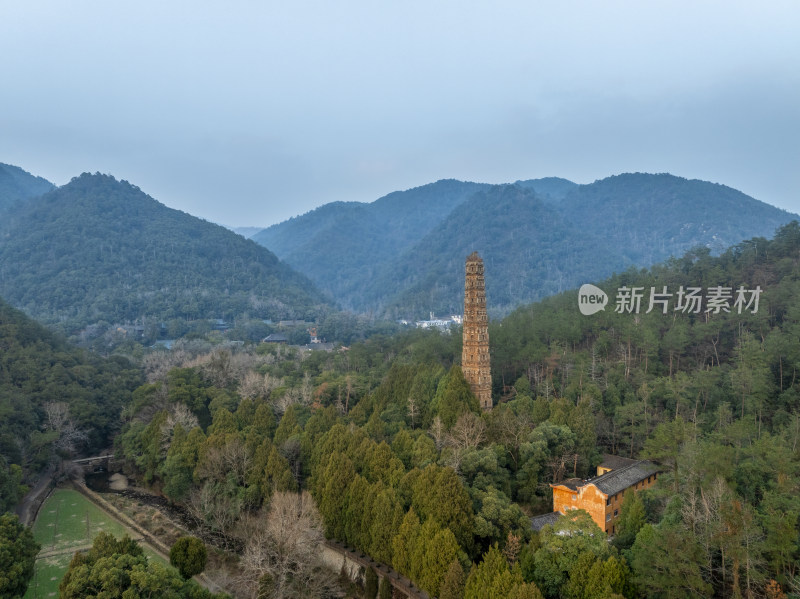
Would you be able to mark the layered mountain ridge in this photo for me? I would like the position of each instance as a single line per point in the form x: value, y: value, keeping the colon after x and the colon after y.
x: 402, y: 255
x: 18, y: 185
x: 98, y: 251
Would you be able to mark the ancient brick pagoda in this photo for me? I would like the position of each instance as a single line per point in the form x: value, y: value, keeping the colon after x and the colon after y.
x: 475, y: 355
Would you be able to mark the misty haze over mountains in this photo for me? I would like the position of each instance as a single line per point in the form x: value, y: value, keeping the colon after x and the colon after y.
x: 403, y: 254
x: 98, y: 250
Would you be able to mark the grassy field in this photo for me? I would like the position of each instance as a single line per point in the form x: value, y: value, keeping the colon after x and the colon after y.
x: 66, y: 523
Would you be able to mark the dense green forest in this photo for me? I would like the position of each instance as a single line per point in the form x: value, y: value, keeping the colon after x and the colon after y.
x: 389, y: 440
x: 523, y: 240
x: 54, y: 399
x: 343, y: 246
x: 98, y: 253
x: 119, y: 568
x: 402, y: 255
x: 107, y: 265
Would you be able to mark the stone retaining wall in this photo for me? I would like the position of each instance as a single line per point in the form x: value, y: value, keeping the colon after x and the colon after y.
x: 155, y: 543
x: 336, y: 555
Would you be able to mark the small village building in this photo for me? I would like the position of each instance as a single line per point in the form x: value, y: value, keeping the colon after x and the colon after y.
x: 275, y: 338
x: 218, y: 324
x: 443, y: 324
x: 602, y: 496
x: 317, y: 347
x: 293, y: 323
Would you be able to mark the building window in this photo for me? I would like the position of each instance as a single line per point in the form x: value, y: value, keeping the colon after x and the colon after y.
x: 608, y: 517
x: 608, y: 500
x: 615, y: 513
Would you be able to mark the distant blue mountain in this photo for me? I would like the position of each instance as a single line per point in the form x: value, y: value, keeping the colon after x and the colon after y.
x: 17, y: 185
x: 347, y: 245
x: 403, y: 254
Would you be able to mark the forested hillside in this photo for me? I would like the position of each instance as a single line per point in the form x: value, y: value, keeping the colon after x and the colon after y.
x: 98, y: 253
x: 528, y: 247
x: 54, y: 398
x: 17, y: 185
x: 399, y: 256
x: 649, y: 218
x: 342, y: 246
x: 550, y: 189
x: 402, y: 464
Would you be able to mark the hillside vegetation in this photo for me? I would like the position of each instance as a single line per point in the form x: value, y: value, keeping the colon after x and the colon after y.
x: 525, y: 243
x: 402, y: 255
x: 403, y: 465
x: 54, y: 398
x: 17, y: 185
x: 98, y: 253
x: 344, y: 246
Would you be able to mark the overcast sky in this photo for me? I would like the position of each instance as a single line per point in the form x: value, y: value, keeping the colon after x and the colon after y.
x: 247, y: 113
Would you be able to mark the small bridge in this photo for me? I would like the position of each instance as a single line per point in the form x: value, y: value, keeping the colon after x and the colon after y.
x: 98, y: 463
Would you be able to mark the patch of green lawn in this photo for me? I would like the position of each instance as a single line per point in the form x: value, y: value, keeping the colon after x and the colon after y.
x: 67, y: 522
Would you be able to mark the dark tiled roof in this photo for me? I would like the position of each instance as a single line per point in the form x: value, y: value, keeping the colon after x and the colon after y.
x: 276, y: 338
x: 538, y: 522
x: 614, y: 462
x: 618, y: 480
x: 570, y: 483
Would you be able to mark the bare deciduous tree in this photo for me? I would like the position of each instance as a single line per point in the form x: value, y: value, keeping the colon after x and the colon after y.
x: 437, y: 432
x: 244, y: 361
x: 60, y: 420
x: 218, y: 369
x: 157, y: 364
x: 413, y: 410
x: 178, y: 414
x: 468, y: 432
x: 56, y: 413
x: 281, y: 403
x: 254, y: 385
x: 281, y: 558
x: 339, y: 404
x: 512, y: 431
x: 306, y: 390
x: 558, y: 465
x: 349, y: 387
x: 218, y: 463
x: 211, y: 506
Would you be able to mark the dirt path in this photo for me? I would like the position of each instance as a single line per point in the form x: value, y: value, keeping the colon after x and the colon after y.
x: 30, y: 504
